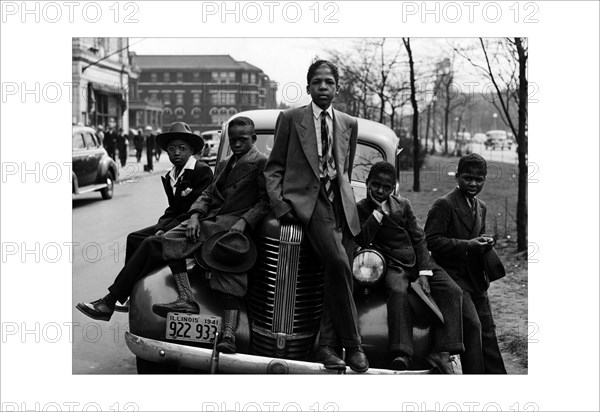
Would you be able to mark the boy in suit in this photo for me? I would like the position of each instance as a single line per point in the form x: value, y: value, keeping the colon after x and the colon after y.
x: 183, y: 184
x: 308, y: 182
x: 390, y: 226
x: 455, y: 230
x: 237, y: 202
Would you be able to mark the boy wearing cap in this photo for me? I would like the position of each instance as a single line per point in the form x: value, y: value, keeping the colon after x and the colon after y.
x: 455, y: 230
x: 235, y: 202
x: 389, y: 225
x: 183, y: 184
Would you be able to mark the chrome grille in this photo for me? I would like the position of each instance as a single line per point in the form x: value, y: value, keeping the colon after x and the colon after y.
x: 285, y: 295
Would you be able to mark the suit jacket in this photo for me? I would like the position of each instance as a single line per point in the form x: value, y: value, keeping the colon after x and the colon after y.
x: 292, y: 172
x: 197, y: 180
x: 450, y: 225
x: 399, y: 237
x: 235, y: 194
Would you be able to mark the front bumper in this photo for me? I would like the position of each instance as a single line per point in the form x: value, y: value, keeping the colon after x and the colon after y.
x: 239, y: 363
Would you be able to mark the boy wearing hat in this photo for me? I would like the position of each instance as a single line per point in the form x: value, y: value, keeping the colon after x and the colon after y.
x: 183, y: 184
x: 389, y: 225
x: 455, y: 230
x: 235, y: 203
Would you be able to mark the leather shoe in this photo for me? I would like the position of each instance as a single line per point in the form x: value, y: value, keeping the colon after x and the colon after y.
x: 180, y: 306
x: 401, y: 362
x: 124, y: 308
x: 442, y: 361
x: 98, y: 309
x: 357, y: 360
x: 327, y: 356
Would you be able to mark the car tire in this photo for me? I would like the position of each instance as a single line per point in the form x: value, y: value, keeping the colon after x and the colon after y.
x: 146, y: 367
x: 107, y: 192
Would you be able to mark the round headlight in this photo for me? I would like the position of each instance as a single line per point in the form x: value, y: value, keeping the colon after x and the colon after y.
x: 368, y: 267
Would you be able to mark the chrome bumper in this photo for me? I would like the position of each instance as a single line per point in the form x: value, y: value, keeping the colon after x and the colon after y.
x: 239, y: 363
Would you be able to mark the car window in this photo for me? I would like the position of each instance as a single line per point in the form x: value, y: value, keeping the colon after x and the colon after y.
x: 366, y: 156
x: 90, y: 143
x: 78, y: 141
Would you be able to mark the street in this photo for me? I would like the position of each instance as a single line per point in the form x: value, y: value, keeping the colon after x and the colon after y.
x: 100, y: 229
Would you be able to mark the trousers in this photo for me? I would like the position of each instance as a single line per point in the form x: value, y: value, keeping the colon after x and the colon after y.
x: 482, y: 353
x: 447, y: 337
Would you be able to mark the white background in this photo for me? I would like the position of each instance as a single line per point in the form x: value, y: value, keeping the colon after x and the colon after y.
x: 563, y: 218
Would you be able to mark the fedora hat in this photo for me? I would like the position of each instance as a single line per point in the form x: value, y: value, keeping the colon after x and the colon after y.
x: 180, y: 130
x: 420, y: 302
x: 230, y: 252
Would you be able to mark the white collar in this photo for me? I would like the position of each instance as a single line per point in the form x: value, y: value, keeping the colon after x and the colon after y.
x: 316, y: 110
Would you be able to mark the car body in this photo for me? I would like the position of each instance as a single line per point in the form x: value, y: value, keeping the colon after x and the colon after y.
x: 279, y: 322
x: 497, y: 139
x: 211, y: 138
x: 93, y: 170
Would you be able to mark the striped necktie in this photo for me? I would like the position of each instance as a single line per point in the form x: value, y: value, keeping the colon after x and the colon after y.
x: 326, y: 158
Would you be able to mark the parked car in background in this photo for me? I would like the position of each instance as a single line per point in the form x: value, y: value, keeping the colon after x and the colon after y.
x: 497, y: 139
x: 211, y: 138
x: 279, y: 322
x: 93, y: 169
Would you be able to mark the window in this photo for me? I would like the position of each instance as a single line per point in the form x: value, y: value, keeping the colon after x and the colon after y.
x: 167, y: 77
x: 244, y: 77
x: 196, y: 99
x: 366, y: 156
x: 78, y: 141
x: 179, y: 77
x: 179, y: 99
x: 153, y: 77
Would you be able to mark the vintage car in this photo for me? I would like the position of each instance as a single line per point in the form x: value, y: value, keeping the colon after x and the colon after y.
x: 278, y: 328
x: 93, y: 169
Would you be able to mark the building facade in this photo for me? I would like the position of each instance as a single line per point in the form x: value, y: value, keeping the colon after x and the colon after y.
x: 203, y: 90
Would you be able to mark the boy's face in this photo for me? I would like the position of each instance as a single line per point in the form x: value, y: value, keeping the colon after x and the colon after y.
x: 241, y: 139
x: 322, y: 87
x: 381, y: 186
x: 179, y: 152
x: 470, y: 182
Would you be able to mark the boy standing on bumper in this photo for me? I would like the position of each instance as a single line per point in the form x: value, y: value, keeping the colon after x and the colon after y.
x: 455, y: 230
x: 389, y: 225
x: 308, y: 181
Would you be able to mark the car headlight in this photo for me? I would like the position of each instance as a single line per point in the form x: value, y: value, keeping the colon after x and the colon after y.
x: 368, y: 267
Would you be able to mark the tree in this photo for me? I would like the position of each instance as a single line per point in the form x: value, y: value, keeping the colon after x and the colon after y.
x: 415, y: 118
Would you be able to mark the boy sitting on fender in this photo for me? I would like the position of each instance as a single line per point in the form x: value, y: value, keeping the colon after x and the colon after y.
x: 389, y: 225
x: 236, y: 202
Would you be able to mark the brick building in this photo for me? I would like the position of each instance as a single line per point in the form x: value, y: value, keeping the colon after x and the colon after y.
x: 202, y: 90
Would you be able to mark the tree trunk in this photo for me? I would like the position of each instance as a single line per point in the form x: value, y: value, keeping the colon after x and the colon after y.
x: 522, y: 217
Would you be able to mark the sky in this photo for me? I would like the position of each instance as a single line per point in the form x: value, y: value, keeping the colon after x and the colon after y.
x: 286, y: 60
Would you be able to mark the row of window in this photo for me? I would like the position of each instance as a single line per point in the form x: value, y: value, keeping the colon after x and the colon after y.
x: 216, y: 77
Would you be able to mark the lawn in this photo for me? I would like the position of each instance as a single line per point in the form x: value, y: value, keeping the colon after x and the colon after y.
x: 508, y: 296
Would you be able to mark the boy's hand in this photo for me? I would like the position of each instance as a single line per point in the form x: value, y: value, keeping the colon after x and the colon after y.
x: 239, y: 226
x: 289, y: 218
x: 192, y: 231
x: 479, y: 244
x: 422, y: 280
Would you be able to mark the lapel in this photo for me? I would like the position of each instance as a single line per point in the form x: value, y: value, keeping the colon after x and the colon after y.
x: 463, y: 211
x: 341, y: 139
x: 308, y: 139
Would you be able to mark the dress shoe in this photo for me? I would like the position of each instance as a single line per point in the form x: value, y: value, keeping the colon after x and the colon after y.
x: 124, y: 308
x: 327, y: 356
x: 401, y: 362
x: 357, y: 360
x: 98, y: 309
x: 180, y: 306
x: 442, y: 361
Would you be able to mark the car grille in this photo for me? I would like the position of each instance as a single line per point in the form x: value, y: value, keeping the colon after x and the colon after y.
x: 285, y: 296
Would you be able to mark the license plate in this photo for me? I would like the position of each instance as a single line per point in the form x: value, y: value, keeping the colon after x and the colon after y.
x: 193, y: 328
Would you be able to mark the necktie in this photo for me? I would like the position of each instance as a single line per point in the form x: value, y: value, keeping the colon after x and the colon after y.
x: 326, y: 158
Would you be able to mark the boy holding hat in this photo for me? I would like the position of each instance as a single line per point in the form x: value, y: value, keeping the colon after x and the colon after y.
x: 455, y: 230
x: 233, y: 205
x: 390, y: 226
x: 183, y: 184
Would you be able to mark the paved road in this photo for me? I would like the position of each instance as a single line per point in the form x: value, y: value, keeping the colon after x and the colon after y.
x: 101, y: 227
